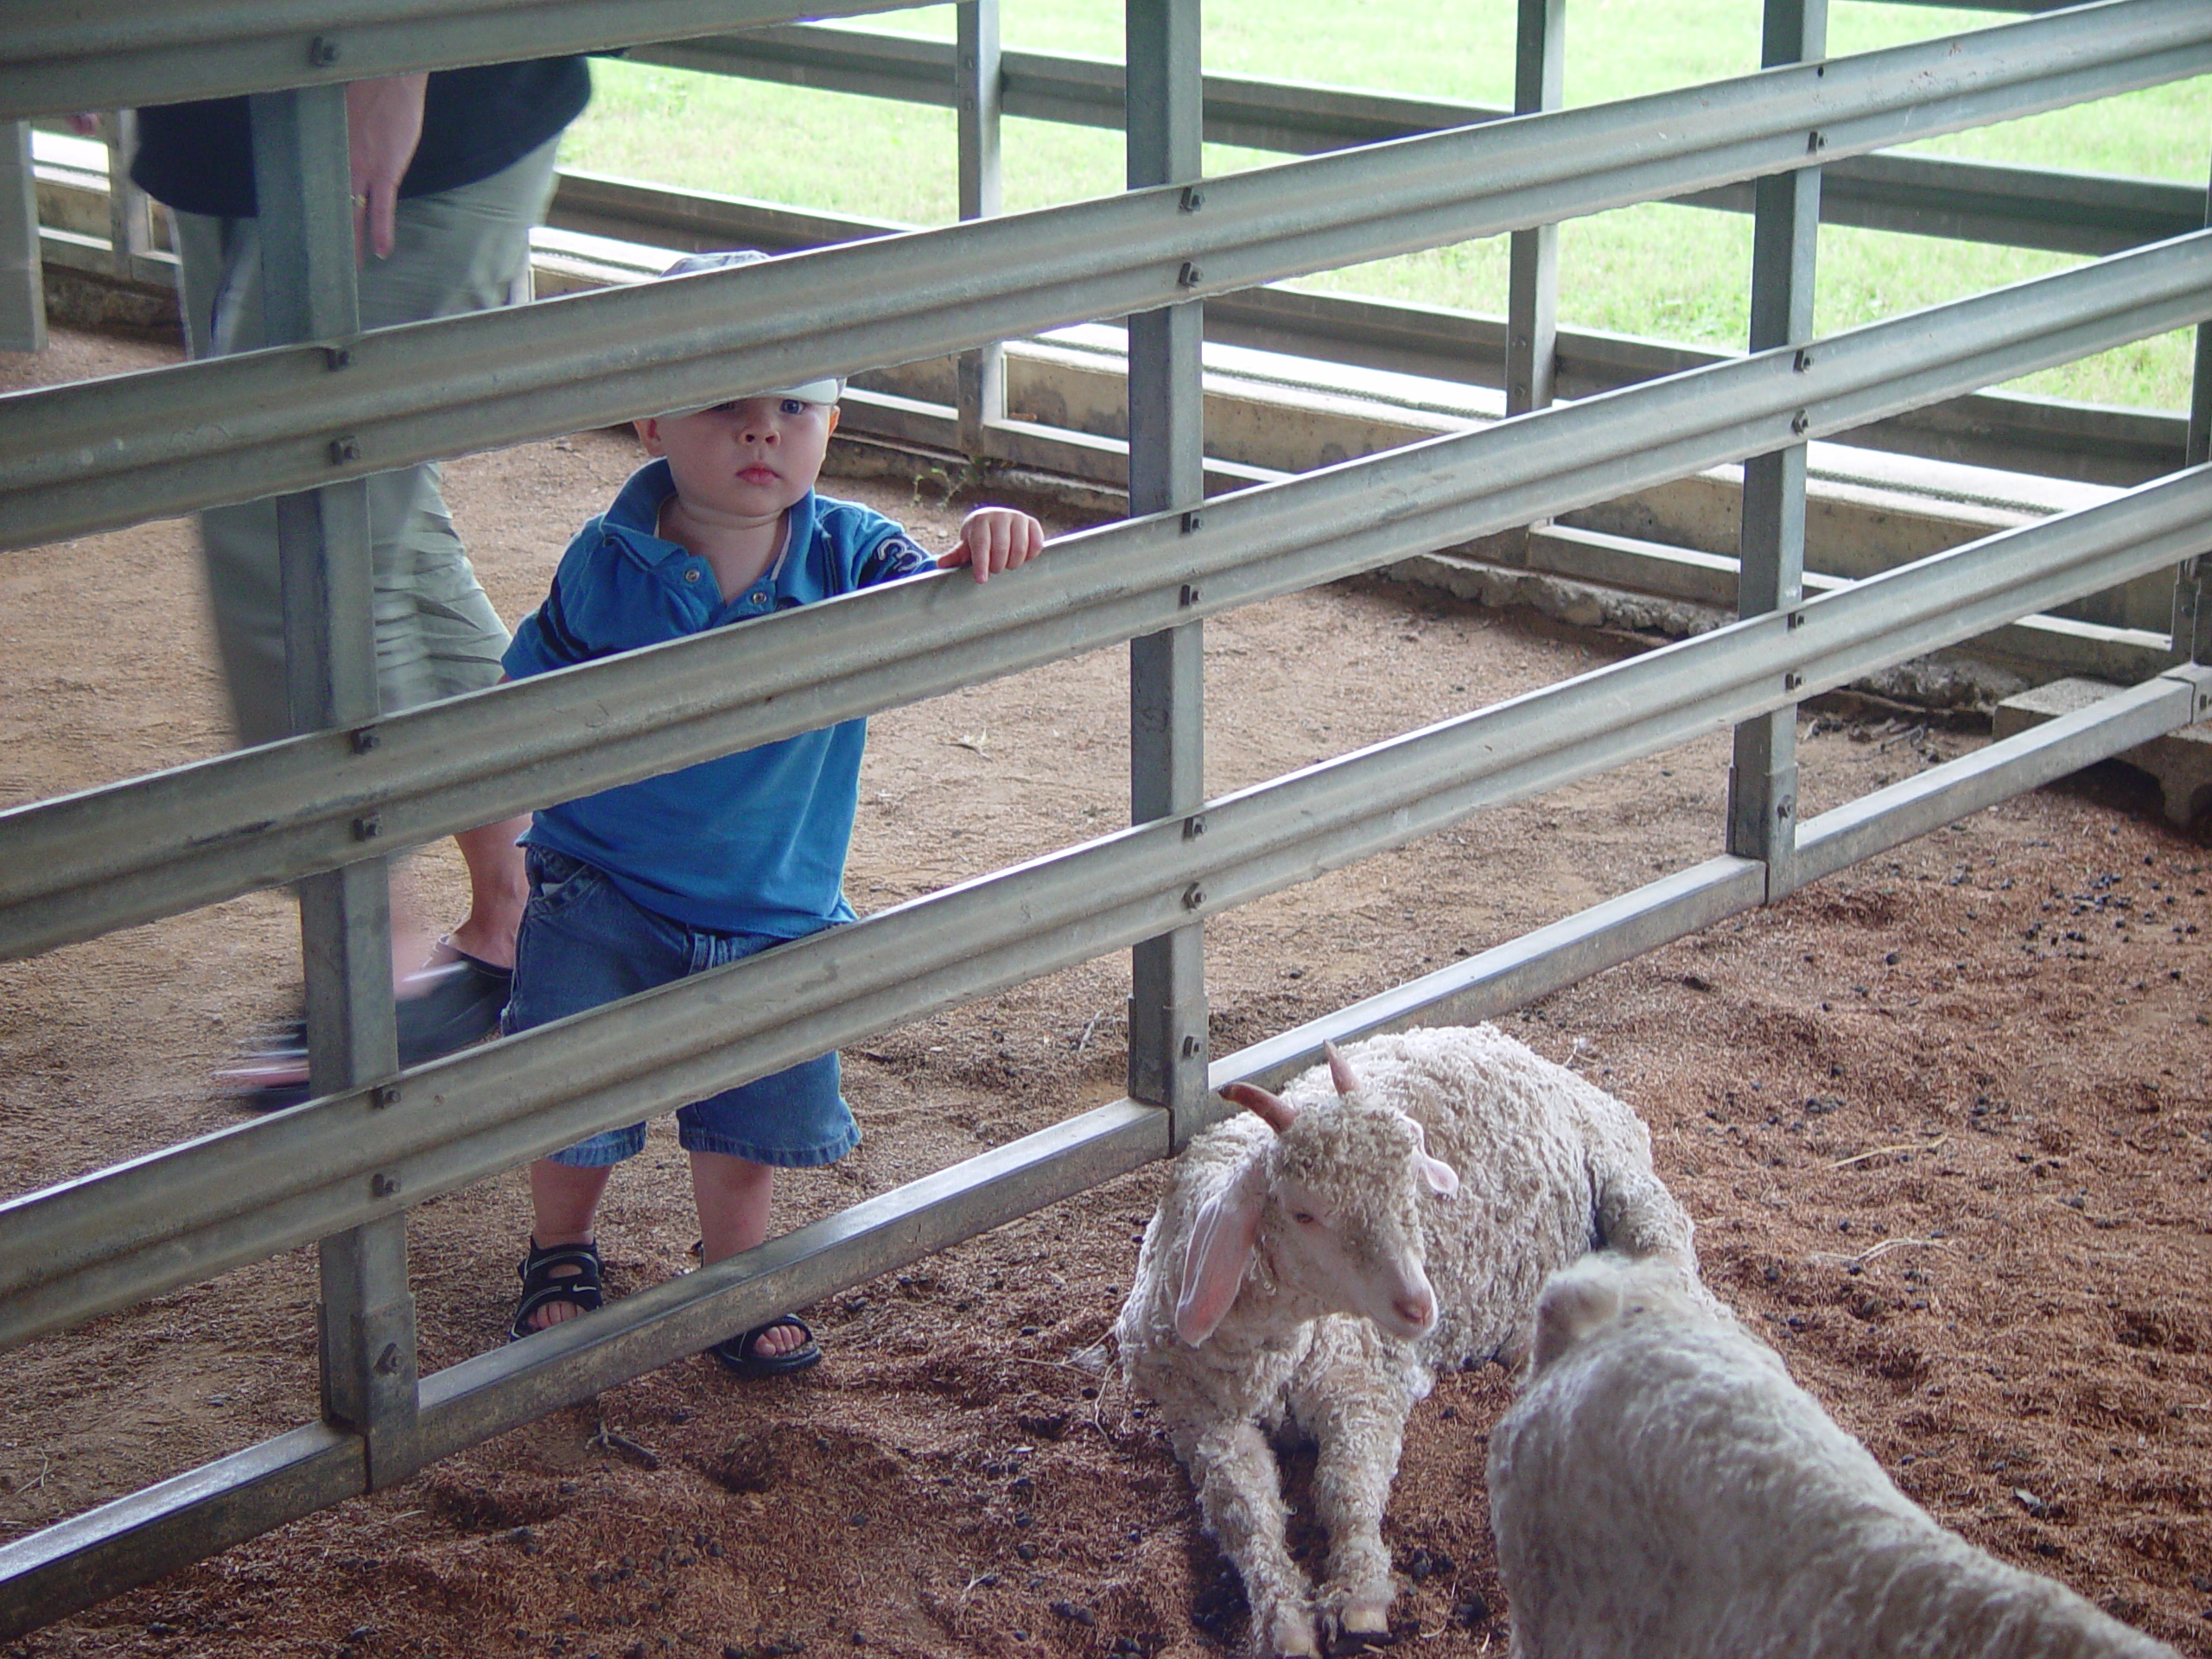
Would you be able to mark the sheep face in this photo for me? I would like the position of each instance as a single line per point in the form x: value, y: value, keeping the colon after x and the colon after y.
x: 1334, y: 1210
x: 1343, y: 1225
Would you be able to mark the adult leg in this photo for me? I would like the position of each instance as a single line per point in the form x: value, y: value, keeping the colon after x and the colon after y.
x: 436, y: 633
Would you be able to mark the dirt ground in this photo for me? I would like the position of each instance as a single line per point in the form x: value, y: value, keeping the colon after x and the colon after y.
x: 1943, y: 1120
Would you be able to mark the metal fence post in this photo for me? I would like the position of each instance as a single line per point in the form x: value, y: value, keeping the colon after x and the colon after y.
x: 22, y: 280
x: 982, y: 371
x: 129, y: 213
x: 1167, y: 1002
x: 1532, y: 297
x: 1786, y: 223
x: 2192, y: 617
x: 368, y: 1313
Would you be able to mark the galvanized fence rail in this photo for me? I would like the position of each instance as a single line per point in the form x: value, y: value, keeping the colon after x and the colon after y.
x: 325, y: 806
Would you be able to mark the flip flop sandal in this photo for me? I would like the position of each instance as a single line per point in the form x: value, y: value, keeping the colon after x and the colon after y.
x: 449, y: 1006
x: 544, y: 1284
x: 266, y: 1082
x: 738, y: 1355
x: 459, y: 1005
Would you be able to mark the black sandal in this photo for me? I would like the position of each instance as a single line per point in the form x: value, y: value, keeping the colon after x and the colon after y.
x: 543, y: 1285
x: 737, y: 1353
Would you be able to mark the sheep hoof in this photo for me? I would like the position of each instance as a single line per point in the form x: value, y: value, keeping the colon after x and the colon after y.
x: 1292, y: 1637
x: 1365, y: 1618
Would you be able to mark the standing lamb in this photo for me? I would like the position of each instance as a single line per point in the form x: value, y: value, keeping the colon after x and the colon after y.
x: 1319, y: 1255
x: 1661, y: 1487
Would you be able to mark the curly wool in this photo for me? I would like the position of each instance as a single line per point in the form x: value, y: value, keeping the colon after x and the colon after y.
x: 1549, y: 1165
x: 1661, y: 1486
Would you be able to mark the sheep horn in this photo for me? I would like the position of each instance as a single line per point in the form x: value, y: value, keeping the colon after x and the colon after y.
x: 1272, y: 1109
x: 1340, y: 1069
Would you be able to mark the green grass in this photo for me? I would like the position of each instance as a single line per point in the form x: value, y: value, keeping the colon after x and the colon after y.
x: 1674, y: 273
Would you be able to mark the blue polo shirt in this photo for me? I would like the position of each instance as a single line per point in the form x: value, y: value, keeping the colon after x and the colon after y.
x: 751, y: 842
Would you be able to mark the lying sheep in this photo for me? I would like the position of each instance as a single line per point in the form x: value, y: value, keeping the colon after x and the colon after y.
x: 1663, y: 1487
x: 1319, y: 1256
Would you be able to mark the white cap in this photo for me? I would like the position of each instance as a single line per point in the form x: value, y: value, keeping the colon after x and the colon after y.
x: 825, y: 390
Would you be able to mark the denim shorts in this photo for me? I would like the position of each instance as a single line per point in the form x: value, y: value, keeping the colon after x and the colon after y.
x: 584, y: 943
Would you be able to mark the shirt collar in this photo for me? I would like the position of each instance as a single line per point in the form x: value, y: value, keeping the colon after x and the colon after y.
x: 634, y: 519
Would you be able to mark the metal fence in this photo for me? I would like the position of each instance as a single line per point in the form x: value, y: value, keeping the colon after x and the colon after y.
x: 312, y: 418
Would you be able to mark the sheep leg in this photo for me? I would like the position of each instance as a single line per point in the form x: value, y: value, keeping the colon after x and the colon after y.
x: 1360, y: 1431
x: 1240, y: 1494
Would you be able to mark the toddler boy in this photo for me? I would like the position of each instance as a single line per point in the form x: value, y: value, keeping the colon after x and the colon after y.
x: 648, y: 882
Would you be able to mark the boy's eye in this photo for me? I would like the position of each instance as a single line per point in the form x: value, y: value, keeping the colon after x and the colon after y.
x: 794, y: 406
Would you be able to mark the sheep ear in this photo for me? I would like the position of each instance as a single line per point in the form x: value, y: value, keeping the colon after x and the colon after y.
x: 1439, y: 1176
x: 1272, y: 1109
x: 1340, y: 1069
x: 1577, y: 1301
x: 1220, y: 1249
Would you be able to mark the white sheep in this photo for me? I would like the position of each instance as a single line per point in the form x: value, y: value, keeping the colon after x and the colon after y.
x: 1661, y: 1487
x: 1318, y: 1256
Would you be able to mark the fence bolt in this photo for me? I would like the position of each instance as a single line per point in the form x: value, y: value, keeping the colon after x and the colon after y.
x: 1193, y: 198
x: 1190, y: 275
x: 383, y: 1185
x: 364, y: 739
x: 368, y: 826
x: 1193, y: 896
x: 1194, y: 826
x: 1801, y: 422
x: 1796, y: 619
x: 1783, y: 808
x: 322, y: 52
x: 337, y: 356
x: 1190, y: 594
x: 1190, y: 1046
x: 1803, y: 360
x: 1815, y: 140
x: 388, y: 1361
x: 344, y: 449
x: 1792, y: 680
x: 384, y: 1094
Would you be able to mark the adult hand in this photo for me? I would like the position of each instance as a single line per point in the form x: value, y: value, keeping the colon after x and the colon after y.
x: 384, y: 122
x: 993, y: 539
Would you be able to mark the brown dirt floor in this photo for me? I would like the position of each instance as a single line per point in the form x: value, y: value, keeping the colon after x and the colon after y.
x: 1944, y: 1120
